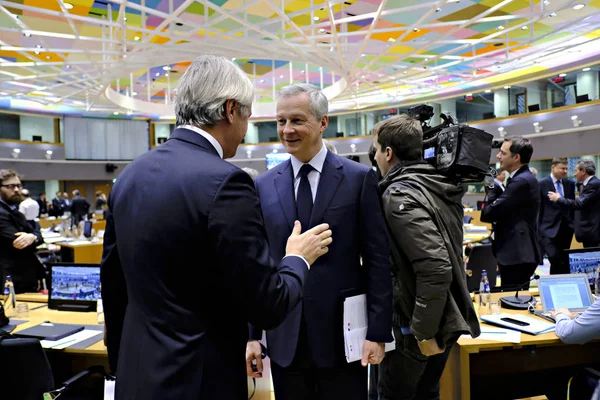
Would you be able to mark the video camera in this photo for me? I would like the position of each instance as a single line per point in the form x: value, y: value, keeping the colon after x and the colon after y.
x: 460, y: 152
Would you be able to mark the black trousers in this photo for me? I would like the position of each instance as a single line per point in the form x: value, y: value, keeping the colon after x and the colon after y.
x: 555, y: 249
x: 517, y: 274
x: 304, y: 380
x: 406, y: 374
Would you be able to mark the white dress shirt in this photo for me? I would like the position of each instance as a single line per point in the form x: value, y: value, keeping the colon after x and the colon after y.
x: 29, y: 208
x: 206, y: 136
x: 314, y: 176
x: 500, y: 183
x: 587, y: 180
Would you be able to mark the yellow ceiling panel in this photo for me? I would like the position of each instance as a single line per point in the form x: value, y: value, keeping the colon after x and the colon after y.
x: 400, y: 49
x: 47, y: 4
x: 515, y: 74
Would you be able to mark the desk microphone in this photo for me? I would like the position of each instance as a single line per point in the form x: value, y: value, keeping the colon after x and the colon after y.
x: 518, y: 303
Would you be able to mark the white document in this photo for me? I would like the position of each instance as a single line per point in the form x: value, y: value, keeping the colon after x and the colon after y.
x: 497, y: 335
x: 52, y: 240
x: 109, y: 389
x: 533, y: 326
x: 71, y: 339
x: 356, y: 326
x: 566, y: 296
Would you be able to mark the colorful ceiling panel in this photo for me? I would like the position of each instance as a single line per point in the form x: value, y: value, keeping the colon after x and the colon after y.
x: 62, y: 55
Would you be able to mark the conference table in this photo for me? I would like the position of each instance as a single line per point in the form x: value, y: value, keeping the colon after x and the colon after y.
x: 483, y: 369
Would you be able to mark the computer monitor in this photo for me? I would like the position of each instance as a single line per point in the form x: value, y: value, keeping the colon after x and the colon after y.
x: 582, y: 98
x: 73, y: 286
x: 585, y: 261
x: 489, y: 115
x: 274, y: 159
x: 534, y: 107
x: 565, y: 291
x: 36, y: 138
x: 558, y: 104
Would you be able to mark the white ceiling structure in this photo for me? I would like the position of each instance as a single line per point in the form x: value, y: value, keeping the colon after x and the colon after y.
x: 99, y: 57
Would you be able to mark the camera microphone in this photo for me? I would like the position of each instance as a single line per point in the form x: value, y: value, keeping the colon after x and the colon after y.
x: 517, y: 302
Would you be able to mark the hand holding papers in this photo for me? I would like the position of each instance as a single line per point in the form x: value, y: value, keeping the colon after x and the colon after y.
x: 355, y: 328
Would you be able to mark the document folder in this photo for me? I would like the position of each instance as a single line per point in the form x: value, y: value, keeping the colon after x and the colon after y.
x: 49, y: 331
x: 533, y: 326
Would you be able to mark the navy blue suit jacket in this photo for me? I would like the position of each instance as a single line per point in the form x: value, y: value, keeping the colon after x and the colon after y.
x: 185, y: 267
x: 515, y: 214
x: 347, y: 199
x: 551, y: 215
x: 587, y: 212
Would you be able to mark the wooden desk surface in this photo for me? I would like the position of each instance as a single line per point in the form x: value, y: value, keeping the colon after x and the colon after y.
x: 39, y: 315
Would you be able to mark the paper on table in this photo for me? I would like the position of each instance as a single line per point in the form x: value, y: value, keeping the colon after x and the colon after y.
x: 70, y: 340
x: 356, y: 326
x: 497, y: 335
x: 109, y: 389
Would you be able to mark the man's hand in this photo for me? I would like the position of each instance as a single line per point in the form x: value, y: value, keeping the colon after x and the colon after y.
x: 373, y: 353
x: 311, y: 245
x: 553, y: 196
x: 23, y: 240
x: 565, y: 311
x: 430, y: 348
x: 254, y: 352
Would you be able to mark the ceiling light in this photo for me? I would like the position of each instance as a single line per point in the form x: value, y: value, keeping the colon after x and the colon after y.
x: 302, y: 71
x: 553, y: 14
x: 524, y: 27
x: 158, y: 74
x: 280, y: 76
x: 316, y: 18
x: 416, y: 30
x: 546, y: 2
x: 27, y: 34
x: 125, y: 19
x: 438, y: 9
x: 562, y: 75
x: 67, y: 66
x: 405, y: 72
x: 48, y: 57
x: 586, y: 69
x: 134, y: 93
x: 136, y: 38
x: 274, y: 150
x: 249, y: 153
x: 322, y: 30
x: 39, y: 46
x: 426, y: 59
x: 578, y: 6
x: 262, y: 81
x: 488, y: 91
x: 576, y: 121
x: 363, y: 55
x: 362, y: 77
x: 15, y: 153
x: 536, y: 124
x: 331, y: 48
x: 391, y: 39
x: 353, y: 147
x: 234, y: 59
x: 116, y: 113
x: 48, y: 154
x: 166, y: 68
x: 36, y: 52
x: 166, y: 74
x: 68, y: 6
x: 500, y: 27
x: 538, y: 128
x: 506, y: 87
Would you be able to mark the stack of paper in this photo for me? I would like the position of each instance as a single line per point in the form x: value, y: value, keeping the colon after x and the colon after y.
x: 533, y: 326
x: 356, y: 326
x: 70, y: 340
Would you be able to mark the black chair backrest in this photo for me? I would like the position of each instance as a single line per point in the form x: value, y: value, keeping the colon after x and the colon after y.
x: 26, y: 372
x: 481, y: 258
x: 584, y: 383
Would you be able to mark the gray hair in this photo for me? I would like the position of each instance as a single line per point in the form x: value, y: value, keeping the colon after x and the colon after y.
x: 319, y: 105
x: 587, y: 165
x: 330, y: 146
x: 251, y: 171
x: 25, y: 193
x: 206, y: 86
x: 76, y: 192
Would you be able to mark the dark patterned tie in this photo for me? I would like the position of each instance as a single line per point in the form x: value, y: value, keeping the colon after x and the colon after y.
x: 304, y: 200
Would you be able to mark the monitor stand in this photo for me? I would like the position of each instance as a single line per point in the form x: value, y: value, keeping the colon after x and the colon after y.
x: 74, y: 307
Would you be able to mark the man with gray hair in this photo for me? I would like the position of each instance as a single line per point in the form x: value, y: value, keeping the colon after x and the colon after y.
x: 316, y: 186
x: 179, y: 287
x: 586, y: 206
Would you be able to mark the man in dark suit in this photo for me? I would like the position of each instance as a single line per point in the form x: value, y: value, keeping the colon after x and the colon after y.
x: 556, y: 224
x: 179, y: 288
x: 18, y: 240
x: 43, y: 202
x: 315, y: 186
x: 79, y: 207
x: 586, y: 206
x: 515, y: 214
x: 57, y: 205
x: 66, y: 202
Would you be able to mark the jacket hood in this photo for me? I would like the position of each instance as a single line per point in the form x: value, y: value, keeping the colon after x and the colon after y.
x: 423, y: 174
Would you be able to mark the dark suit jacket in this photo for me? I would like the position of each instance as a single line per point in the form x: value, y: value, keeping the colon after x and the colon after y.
x: 515, y: 214
x: 551, y: 215
x: 587, y: 211
x: 57, y: 207
x: 22, y: 265
x: 43, y: 203
x: 79, y: 206
x: 496, y: 191
x: 347, y: 199
x: 180, y: 282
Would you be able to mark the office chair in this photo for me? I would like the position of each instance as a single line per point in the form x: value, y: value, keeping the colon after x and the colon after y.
x: 583, y: 384
x: 27, y: 374
x: 481, y: 258
x: 467, y: 219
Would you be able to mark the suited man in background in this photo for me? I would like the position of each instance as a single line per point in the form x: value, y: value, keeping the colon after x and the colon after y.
x: 43, y: 203
x: 66, y: 202
x: 315, y: 186
x: 498, y: 184
x: 556, y: 223
x: 79, y: 207
x: 57, y: 205
x: 515, y: 214
x: 18, y: 239
x: 586, y: 206
x: 180, y: 287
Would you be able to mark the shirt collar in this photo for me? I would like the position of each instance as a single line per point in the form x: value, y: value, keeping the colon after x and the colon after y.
x: 587, y: 180
x: 317, y: 162
x: 498, y: 181
x: 554, y: 180
x: 14, y: 207
x: 512, y: 174
x: 206, y: 136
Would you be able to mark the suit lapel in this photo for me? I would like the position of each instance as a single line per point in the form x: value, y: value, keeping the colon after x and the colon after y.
x: 284, y: 184
x: 331, y: 177
x: 18, y: 218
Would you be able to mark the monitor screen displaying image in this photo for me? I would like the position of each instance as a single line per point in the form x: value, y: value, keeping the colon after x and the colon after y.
x: 585, y: 261
x: 274, y: 159
x: 74, y: 282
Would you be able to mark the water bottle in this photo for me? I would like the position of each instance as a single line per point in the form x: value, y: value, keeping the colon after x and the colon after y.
x: 484, y: 294
x: 7, y: 285
x: 100, y: 306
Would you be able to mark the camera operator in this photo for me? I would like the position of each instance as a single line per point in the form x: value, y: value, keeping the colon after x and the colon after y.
x: 432, y: 305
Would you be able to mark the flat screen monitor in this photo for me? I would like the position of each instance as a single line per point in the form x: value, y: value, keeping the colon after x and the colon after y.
x: 73, y: 285
x: 274, y: 159
x: 585, y: 261
x: 565, y: 291
x: 534, y: 107
x: 429, y: 153
x: 583, y: 98
x: 36, y: 138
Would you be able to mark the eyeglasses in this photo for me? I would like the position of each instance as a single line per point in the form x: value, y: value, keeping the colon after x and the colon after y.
x: 13, y: 186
